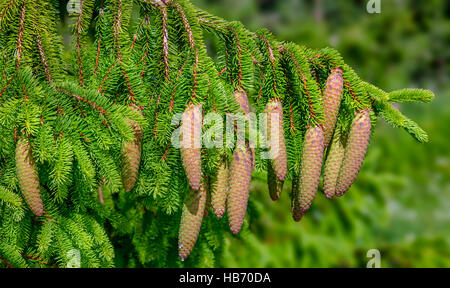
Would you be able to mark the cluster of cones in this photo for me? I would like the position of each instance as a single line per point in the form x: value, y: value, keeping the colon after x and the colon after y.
x: 344, y: 156
x: 230, y: 188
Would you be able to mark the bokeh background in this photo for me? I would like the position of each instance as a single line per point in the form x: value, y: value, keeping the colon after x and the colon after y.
x: 400, y: 203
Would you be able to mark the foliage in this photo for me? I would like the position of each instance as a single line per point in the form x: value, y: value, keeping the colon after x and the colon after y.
x: 78, y: 112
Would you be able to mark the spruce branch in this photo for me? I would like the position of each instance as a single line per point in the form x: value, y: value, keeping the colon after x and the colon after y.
x: 100, y: 128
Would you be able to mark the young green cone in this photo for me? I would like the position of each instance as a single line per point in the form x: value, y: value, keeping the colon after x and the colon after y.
x: 191, y: 145
x: 355, y: 151
x: 220, y: 190
x: 331, y: 103
x: 191, y: 220
x: 305, y: 187
x: 333, y: 165
x: 28, y: 177
x: 240, y: 178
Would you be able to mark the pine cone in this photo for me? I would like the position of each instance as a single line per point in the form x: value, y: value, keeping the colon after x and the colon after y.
x: 220, y: 190
x: 191, y: 145
x: 131, y: 158
x: 355, y: 151
x: 305, y: 187
x: 28, y: 177
x: 241, y: 98
x: 240, y: 178
x: 333, y: 165
x: 277, y: 150
x: 331, y: 102
x: 191, y: 220
x: 275, y: 185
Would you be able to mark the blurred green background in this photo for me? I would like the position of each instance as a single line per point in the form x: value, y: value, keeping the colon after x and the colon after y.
x: 400, y: 203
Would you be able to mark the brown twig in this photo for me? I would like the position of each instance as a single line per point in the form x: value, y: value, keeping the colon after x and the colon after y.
x: 302, y: 78
x: 165, y: 47
x: 239, y: 48
x: 100, y: 88
x: 43, y: 58
x: 186, y: 24
x: 272, y: 60
x: 194, y: 89
x: 78, y: 29
x: 81, y: 99
x: 11, y: 2
x: 20, y: 36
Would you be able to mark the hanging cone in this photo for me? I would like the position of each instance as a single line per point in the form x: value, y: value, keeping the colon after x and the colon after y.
x: 240, y: 178
x: 355, y: 151
x: 220, y: 190
x: 191, y: 220
x: 28, y: 177
x: 275, y: 185
x: 277, y: 142
x: 131, y: 158
x: 333, y: 164
x: 305, y: 187
x: 242, y: 99
x: 331, y: 103
x: 191, y: 145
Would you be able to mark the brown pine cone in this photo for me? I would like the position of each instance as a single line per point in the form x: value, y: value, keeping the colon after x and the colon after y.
x: 220, y: 190
x: 131, y: 159
x: 240, y: 178
x: 277, y: 143
x: 333, y: 165
x: 191, y: 145
x: 305, y: 187
x: 28, y: 177
x: 191, y: 220
x: 355, y: 151
x: 332, y: 102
